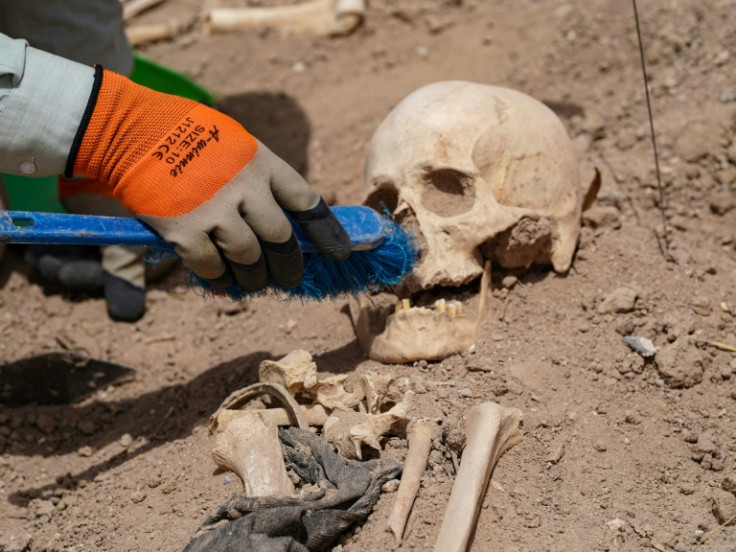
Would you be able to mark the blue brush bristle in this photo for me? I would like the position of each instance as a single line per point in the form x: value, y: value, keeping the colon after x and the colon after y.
x: 368, y: 270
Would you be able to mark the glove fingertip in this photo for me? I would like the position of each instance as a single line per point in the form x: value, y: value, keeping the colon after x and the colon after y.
x: 324, y: 231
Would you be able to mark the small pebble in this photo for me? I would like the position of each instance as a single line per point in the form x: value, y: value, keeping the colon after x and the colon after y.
x: 701, y: 305
x: 616, y: 524
x: 632, y: 417
x: 620, y: 300
x: 390, y: 486
x: 85, y: 451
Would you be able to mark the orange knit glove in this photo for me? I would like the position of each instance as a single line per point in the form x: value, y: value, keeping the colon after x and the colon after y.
x: 202, y: 182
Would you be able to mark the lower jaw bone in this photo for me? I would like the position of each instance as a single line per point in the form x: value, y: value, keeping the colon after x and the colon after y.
x: 415, y: 333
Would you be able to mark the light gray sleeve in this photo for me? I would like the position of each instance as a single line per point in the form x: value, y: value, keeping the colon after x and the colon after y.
x: 42, y: 100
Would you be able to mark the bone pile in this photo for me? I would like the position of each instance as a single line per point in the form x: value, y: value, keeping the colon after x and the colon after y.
x: 352, y: 422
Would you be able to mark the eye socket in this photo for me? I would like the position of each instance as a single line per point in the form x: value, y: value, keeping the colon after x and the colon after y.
x: 448, y: 192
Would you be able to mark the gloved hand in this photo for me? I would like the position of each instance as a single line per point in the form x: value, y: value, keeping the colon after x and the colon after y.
x: 202, y: 182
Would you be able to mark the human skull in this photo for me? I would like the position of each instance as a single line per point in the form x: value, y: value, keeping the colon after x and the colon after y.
x: 479, y: 173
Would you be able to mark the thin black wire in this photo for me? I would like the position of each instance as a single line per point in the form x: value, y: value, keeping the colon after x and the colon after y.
x: 651, y: 128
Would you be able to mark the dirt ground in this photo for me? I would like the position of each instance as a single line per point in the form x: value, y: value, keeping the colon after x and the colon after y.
x: 618, y: 453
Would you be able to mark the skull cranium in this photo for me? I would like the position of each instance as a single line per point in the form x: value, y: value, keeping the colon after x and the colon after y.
x: 481, y: 173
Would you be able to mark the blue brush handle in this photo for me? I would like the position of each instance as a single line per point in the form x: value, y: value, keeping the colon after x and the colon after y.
x: 365, y: 227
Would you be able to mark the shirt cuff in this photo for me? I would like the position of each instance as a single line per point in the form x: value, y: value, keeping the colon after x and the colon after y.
x: 42, y: 100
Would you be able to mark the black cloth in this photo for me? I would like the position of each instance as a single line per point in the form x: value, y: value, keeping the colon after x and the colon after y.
x: 348, y: 490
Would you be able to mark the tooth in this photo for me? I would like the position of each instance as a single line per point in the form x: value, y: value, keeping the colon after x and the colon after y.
x: 452, y: 310
x: 406, y: 303
x: 460, y: 309
x: 440, y: 305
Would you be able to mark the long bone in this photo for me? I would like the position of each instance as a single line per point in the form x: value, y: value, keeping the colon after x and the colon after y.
x: 133, y: 8
x: 491, y: 430
x: 250, y: 447
x: 143, y: 34
x: 315, y: 17
x: 420, y: 434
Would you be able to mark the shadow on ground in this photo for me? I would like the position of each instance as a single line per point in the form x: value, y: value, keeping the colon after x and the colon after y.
x: 156, y: 418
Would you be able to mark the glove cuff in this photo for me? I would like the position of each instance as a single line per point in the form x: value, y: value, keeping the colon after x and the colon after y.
x: 86, y: 116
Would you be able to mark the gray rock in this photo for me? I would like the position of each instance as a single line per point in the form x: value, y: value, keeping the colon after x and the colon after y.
x: 640, y: 345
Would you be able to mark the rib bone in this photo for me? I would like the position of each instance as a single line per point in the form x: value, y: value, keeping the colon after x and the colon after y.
x: 491, y: 430
x: 420, y: 434
x: 242, y: 396
x: 315, y: 415
x: 315, y: 17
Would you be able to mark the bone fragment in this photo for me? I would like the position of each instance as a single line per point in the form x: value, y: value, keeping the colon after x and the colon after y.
x: 348, y: 431
x: 143, y: 34
x: 330, y: 393
x: 242, y: 396
x: 376, y: 389
x: 296, y: 371
x: 315, y: 415
x: 134, y: 7
x: 250, y: 447
x: 491, y: 430
x: 314, y: 17
x: 420, y: 433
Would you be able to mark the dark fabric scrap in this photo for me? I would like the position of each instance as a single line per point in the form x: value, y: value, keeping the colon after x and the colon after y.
x: 348, y: 491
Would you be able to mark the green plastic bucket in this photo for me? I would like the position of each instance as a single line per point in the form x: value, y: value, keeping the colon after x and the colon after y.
x: 40, y: 194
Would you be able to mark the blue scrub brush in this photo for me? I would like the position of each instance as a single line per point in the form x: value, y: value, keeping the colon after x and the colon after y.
x: 382, y: 253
